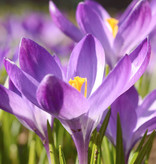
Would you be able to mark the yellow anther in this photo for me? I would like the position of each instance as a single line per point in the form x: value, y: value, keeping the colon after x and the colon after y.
x: 77, y: 84
x: 114, y: 25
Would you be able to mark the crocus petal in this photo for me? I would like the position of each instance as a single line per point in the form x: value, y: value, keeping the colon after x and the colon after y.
x: 60, y: 99
x: 147, y: 110
x: 110, y: 89
x: 139, y: 58
x: 36, y: 61
x: 98, y: 9
x: 90, y: 22
x: 148, y: 125
x: 13, y: 88
x: 153, y: 6
x: 88, y: 60
x: 39, y: 118
x: 127, y: 11
x: 22, y: 81
x: 14, y: 104
x: 136, y: 24
x: 3, y: 53
x: 126, y: 106
x: 146, y: 118
x: 64, y: 24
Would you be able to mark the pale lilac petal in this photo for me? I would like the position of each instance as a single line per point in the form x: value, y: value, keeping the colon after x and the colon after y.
x: 136, y: 24
x: 153, y: 6
x: 88, y: 61
x: 3, y: 53
x: 13, y: 88
x: 60, y: 99
x: 127, y: 11
x: 36, y: 61
x: 90, y: 22
x: 110, y: 89
x: 139, y: 58
x: 147, y: 110
x: 38, y: 117
x: 98, y: 9
x: 22, y: 81
x: 149, y: 125
x: 14, y: 104
x: 64, y: 24
x: 126, y: 106
x: 39, y: 120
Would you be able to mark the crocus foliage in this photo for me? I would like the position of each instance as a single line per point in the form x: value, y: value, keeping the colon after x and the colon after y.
x: 78, y: 97
x: 117, y: 36
x: 135, y: 118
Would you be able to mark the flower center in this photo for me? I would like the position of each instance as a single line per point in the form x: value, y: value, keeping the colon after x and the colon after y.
x: 114, y: 25
x: 77, y: 84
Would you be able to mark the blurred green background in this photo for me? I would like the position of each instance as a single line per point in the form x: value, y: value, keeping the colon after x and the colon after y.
x: 66, y: 4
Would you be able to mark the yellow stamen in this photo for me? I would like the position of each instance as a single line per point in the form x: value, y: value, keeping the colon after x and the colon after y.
x: 77, y: 84
x: 114, y: 25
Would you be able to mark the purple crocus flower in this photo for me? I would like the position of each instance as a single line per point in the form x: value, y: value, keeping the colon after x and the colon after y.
x: 135, y: 118
x: 117, y: 36
x: 12, y: 101
x: 78, y: 97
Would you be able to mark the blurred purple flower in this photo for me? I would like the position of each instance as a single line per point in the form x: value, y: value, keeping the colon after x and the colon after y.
x: 117, y: 36
x: 3, y: 53
x: 37, y: 26
x: 135, y: 118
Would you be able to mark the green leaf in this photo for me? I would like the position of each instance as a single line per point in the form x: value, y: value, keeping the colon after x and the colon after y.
x: 108, y: 152
x: 138, y: 148
x: 94, y: 155
x: 32, y: 153
x: 52, y: 149
x: 61, y: 156
x: 97, y: 140
x: 107, y: 69
x: 148, y: 155
x: 119, y: 143
x: 146, y: 148
x: 42, y: 157
x: 142, y: 141
x: 103, y: 128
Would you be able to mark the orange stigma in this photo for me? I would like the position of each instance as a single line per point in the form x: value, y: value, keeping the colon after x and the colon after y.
x: 77, y: 84
x: 114, y: 25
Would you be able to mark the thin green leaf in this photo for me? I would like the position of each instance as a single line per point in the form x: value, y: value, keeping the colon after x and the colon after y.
x: 94, y: 155
x: 42, y: 157
x: 107, y: 151
x: 52, y: 149
x: 148, y: 154
x: 146, y: 148
x: 138, y: 148
x: 119, y: 143
x: 142, y: 141
x: 61, y: 156
x: 92, y: 142
x: 103, y: 128
x: 107, y: 69
x: 32, y: 153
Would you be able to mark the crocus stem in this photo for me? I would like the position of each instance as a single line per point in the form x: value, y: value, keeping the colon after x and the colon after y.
x: 83, y: 154
x: 82, y: 149
x: 46, y: 146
